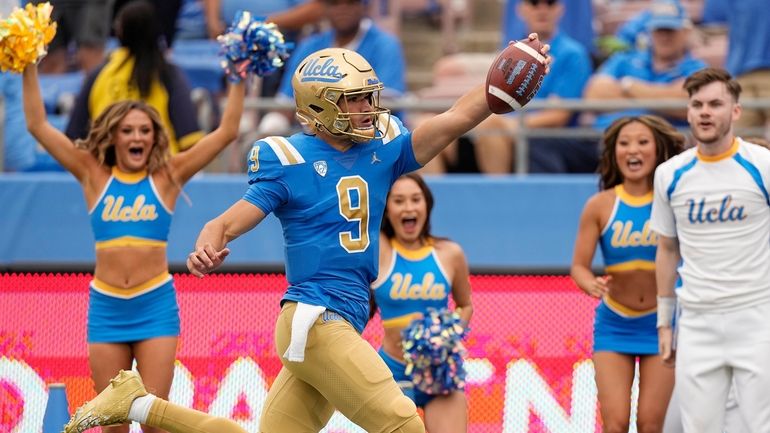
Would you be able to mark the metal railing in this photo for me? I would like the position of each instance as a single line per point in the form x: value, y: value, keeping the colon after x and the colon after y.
x: 412, y: 104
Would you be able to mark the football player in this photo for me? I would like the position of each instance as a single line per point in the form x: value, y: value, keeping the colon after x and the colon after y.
x: 328, y: 187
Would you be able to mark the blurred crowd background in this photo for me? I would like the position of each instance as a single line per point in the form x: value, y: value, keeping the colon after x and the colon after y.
x: 611, y: 58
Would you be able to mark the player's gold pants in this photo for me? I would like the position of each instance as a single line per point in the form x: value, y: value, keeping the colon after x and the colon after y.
x: 178, y: 419
x: 341, y: 371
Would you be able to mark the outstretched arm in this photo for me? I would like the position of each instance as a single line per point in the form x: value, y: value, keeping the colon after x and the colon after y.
x: 211, y: 246
x: 185, y: 164
x: 53, y: 141
x: 434, y: 135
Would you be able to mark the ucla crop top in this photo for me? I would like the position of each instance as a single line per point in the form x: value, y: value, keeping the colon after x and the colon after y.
x: 130, y: 212
x: 415, y: 282
x: 627, y: 242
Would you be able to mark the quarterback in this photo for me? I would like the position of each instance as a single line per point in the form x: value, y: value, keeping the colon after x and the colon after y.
x: 327, y: 186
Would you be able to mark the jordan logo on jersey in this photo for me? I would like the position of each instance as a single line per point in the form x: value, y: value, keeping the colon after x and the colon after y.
x: 375, y: 160
x: 138, y: 211
x: 321, y: 168
x: 699, y: 213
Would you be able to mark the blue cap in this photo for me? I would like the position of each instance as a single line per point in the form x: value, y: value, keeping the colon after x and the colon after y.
x: 667, y: 14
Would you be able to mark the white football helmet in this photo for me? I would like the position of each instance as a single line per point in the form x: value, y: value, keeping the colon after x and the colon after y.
x: 321, y: 82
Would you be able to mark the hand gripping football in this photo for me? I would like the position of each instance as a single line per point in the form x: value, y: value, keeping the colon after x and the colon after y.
x: 515, y: 76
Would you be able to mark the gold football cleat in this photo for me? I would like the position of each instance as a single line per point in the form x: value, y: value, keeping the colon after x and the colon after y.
x: 111, y: 406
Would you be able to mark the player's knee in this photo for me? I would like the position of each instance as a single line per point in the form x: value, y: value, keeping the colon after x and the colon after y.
x: 413, y: 425
x: 405, y: 409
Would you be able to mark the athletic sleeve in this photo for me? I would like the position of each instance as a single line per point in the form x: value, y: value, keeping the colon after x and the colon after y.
x: 662, y: 219
x: 267, y: 188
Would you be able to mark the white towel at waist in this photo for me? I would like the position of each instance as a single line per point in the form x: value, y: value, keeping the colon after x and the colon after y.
x: 304, y: 317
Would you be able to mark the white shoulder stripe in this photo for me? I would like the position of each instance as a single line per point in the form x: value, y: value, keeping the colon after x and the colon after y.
x: 389, y: 129
x: 159, y: 197
x: 101, y: 196
x: 284, y: 150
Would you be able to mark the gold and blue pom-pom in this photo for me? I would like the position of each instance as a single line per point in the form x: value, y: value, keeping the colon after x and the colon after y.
x: 24, y: 36
x: 251, y: 45
x: 434, y: 352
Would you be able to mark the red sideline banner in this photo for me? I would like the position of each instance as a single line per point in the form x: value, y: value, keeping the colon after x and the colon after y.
x: 528, y: 370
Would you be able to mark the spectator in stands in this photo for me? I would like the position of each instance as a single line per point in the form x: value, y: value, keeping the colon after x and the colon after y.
x: 191, y: 22
x: 651, y: 73
x: 166, y: 13
x: 579, y: 26
x: 291, y: 16
x: 138, y: 71
x: 411, y: 255
x: 21, y: 152
x: 131, y: 186
x: 617, y: 218
x: 351, y: 29
x: 748, y: 52
x: 84, y: 22
x: 496, y: 137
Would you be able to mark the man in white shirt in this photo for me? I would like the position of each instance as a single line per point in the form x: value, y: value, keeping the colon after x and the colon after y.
x: 711, y: 209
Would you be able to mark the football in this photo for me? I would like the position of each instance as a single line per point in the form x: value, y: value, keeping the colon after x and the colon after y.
x: 515, y: 76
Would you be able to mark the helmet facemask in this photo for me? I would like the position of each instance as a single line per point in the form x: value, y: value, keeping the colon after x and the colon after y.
x: 343, y: 123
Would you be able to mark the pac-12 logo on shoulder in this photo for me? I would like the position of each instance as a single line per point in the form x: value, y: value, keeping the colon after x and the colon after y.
x: 320, y: 167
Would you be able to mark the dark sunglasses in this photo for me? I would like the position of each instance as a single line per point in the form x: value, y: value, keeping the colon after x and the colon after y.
x: 537, y: 2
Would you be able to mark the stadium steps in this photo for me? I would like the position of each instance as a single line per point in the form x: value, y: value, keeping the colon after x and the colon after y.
x: 424, y: 43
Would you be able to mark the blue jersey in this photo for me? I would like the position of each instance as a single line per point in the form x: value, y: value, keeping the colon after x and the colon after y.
x: 130, y: 212
x: 330, y: 205
x: 627, y: 242
x: 415, y: 282
x: 749, y: 39
x: 577, y: 22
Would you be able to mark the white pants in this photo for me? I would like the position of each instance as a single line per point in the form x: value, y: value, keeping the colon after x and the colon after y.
x: 716, y: 350
x: 734, y: 422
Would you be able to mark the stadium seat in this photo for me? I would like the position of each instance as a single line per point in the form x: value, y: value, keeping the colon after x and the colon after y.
x: 199, y: 59
x: 455, y: 74
x: 60, y: 90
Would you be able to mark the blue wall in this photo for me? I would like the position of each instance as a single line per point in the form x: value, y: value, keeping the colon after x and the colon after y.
x: 505, y: 224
